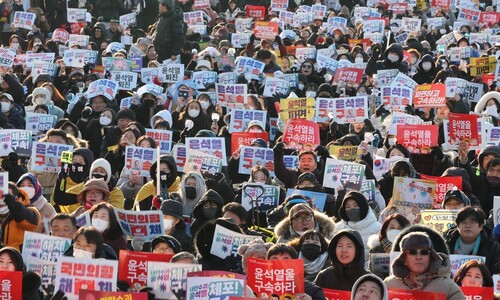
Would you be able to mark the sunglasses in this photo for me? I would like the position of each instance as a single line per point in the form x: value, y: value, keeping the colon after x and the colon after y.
x: 306, y: 67
x: 423, y: 252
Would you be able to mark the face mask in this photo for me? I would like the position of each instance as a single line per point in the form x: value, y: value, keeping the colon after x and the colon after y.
x: 104, y: 121
x: 204, y: 104
x: 168, y: 224
x: 193, y: 113
x: 337, y: 37
x: 14, y: 45
x: 444, y: 65
x: 76, y: 172
x: 301, y: 86
x: 210, y: 213
x: 29, y: 190
x: 426, y: 66
x: 413, y: 60
x: 300, y: 233
x: 494, y: 181
x: 353, y: 214
x: 253, y: 130
x: 190, y: 192
x: 308, y: 188
x: 358, y: 60
x: 310, y: 94
x: 393, y: 57
x: 39, y: 100
x: 100, y: 176
x: 149, y: 103
x: 164, y: 177
x: 78, y: 253
x: 392, y: 234
x: 100, y: 225
x: 311, y: 251
x: 442, y: 31
x: 5, y: 107
x: 391, y: 141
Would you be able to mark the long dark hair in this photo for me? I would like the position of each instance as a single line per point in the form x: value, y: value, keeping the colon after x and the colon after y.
x: 113, y: 231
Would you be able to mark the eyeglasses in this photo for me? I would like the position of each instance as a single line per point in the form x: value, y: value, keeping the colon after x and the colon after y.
x: 307, y: 218
x: 423, y: 252
x: 307, y: 67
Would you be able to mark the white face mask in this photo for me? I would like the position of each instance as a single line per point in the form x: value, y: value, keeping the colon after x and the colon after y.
x: 442, y: 31
x: 14, y: 45
x: 104, y: 121
x: 29, y: 190
x: 392, y: 234
x: 444, y: 66
x: 310, y: 94
x: 204, y: 104
x: 426, y: 66
x: 393, y: 57
x: 168, y: 224
x: 193, y: 113
x: 358, y: 60
x: 391, y: 141
x: 5, y: 107
x: 301, y: 86
x: 78, y: 253
x: 100, y: 225
x: 413, y: 60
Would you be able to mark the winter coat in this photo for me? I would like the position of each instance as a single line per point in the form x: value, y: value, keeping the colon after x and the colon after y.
x: 46, y: 211
x: 423, y: 76
x: 481, y: 104
x: 169, y: 35
x: 108, y: 9
x: 338, y: 276
x: 14, y: 120
x: 441, y: 284
x: 198, y: 216
x: 22, y: 217
x: 290, y: 177
x: 323, y: 224
x: 116, y: 197
x: 488, y: 247
x: 373, y: 66
x: 56, y: 13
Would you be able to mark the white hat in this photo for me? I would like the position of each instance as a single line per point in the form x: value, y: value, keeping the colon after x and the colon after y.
x: 40, y: 91
x: 203, y: 64
x: 255, y: 123
x: 8, y: 96
x: 101, y: 162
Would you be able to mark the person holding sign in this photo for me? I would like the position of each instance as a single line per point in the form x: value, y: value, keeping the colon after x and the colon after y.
x: 174, y: 225
x: 420, y: 267
x: 104, y: 220
x: 391, y: 59
x: 94, y: 192
x: 11, y: 260
x: 168, y: 37
x: 11, y: 116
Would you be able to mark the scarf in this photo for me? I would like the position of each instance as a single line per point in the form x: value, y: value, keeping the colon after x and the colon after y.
x: 314, y: 266
x: 418, y: 282
x: 386, y: 244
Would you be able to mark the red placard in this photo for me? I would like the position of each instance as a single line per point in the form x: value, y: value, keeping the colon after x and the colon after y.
x: 88, y: 294
x: 482, y: 293
x: 418, y: 139
x: 12, y: 283
x: 430, y: 95
x: 443, y: 184
x: 133, y: 267
x: 489, y: 17
x: 406, y: 56
x: 348, y: 75
x: 399, y: 8
x: 254, y: 11
x: 246, y: 138
x: 441, y: 3
x: 463, y: 127
x: 301, y: 134
x: 488, y: 78
x: 397, y: 294
x: 336, y: 294
x: 265, y: 30
x: 266, y: 277
x: 354, y: 42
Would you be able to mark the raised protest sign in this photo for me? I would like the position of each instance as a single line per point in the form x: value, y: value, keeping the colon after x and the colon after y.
x: 243, y: 24
x: 126, y: 80
x: 438, y: 219
x: 148, y: 75
x: 74, y: 58
x: 206, y: 288
x: 396, y: 97
x: 169, y: 280
x: 469, y: 15
x: 240, y: 40
x: 194, y: 17
x: 241, y: 117
x: 239, y: 139
x: 350, y: 109
x: 255, y: 12
x: 116, y: 64
x: 73, y: 274
x: 266, y: 277
x: 43, y: 68
x: 231, y: 95
x: 347, y: 153
x: 351, y: 76
x: 412, y: 195
x: 133, y: 267
x: 141, y: 224
x: 76, y: 15
x: 104, y: 87
x: 248, y: 65
x: 324, y: 108
x: 430, y: 95
x: 301, y: 134
x: 226, y: 242
x: 473, y: 292
x: 11, y: 286
x: 79, y: 40
x: 482, y: 65
x: 418, y: 139
x: 459, y: 53
x: 24, y: 20
x: 297, y: 108
x: 255, y: 156
x: 279, y: 5
x: 6, y: 57
x: 265, y: 30
x: 45, y: 57
x: 46, y: 157
x: 456, y: 260
x: 163, y: 139
x: 443, y: 184
x: 127, y: 19
x: 396, y: 294
x: 411, y: 24
x: 138, y: 160
x: 171, y: 73
x: 275, y: 86
x: 213, y: 146
x: 201, y: 78
x: 305, y: 53
x: 328, y: 63
x: 14, y: 140
x: 314, y: 199
x: 179, y: 152
x: 260, y: 196
x: 340, y: 174
x: 202, y: 163
x: 39, y: 123
x: 399, y: 118
x: 89, y: 294
x: 463, y: 127
x: 379, y: 263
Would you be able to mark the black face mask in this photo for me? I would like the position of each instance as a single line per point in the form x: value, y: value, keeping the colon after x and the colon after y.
x: 164, y: 178
x: 100, y: 176
x: 309, y: 188
x: 210, y: 213
x: 311, y: 251
x: 190, y: 192
x: 77, y: 172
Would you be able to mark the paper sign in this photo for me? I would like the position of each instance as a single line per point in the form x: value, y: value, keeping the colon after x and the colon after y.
x: 127, y: 19
x: 396, y: 294
x: 142, y: 224
x: 256, y: 12
x: 314, y: 199
x: 24, y: 20
x: 138, y: 160
x: 213, y: 146
x: 202, y: 163
x: 171, y: 73
x: 457, y: 260
x: 194, y: 17
x: 351, y: 76
x: 443, y: 184
x: 88, y: 294
x: 340, y: 174
x: 411, y: 24
x: 6, y: 57
x: 78, y: 39
x: 347, y: 153
x: 248, y: 65
x: 277, y: 5
x: 399, y: 118
x: 231, y: 95
x: 45, y: 57
x: 163, y: 139
x: 45, y: 157
x: 226, y: 242
x: 418, y: 139
x: 265, y: 30
x: 469, y: 15
x: 412, y: 195
x: 264, y: 198
x: 133, y: 267
x: 12, y: 283
x: 484, y: 293
x: 43, y: 246
x: 179, y: 152
x: 275, y: 86
x: 380, y: 263
x: 169, y: 280
x: 201, y: 78
x: 463, y: 127
x: 438, y: 219
x: 148, y: 75
x: 301, y: 134
x: 126, y: 80
x: 104, y: 87
x: 39, y: 123
x: 239, y: 139
x: 241, y: 117
x: 297, y: 108
x: 396, y: 97
x: 430, y: 95
x: 350, y: 109
x: 266, y: 277
x: 76, y: 15
x: 255, y: 156
x: 207, y: 288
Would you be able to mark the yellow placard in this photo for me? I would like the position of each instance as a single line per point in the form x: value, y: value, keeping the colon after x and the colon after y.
x: 297, y: 108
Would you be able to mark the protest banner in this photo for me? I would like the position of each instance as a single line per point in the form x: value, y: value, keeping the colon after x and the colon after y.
x: 148, y: 75
x: 102, y: 87
x: 14, y: 140
x: 171, y: 73
x: 255, y: 156
x: 328, y: 63
x: 90, y: 294
x: 266, y: 277
x: 255, y: 11
x: 79, y: 40
x: 213, y: 146
x: 297, y: 108
x: 279, y: 5
x: 291, y: 161
x: 397, y: 294
x: 265, y: 30
x: 74, y: 58
x: 411, y: 24
x: 385, y: 77
x: 275, y: 86
x: 350, y: 109
x: 7, y: 57
x: 42, y: 68
x: 463, y: 127
x: 179, y: 152
x: 411, y: 195
x: 456, y: 260
x: 430, y: 95
x: 133, y: 266
x: 32, y: 57
x: 305, y: 53
x: 25, y: 20
x: 481, y: 134
x: 459, y: 53
x: 127, y: 19
x: 301, y: 134
x: 399, y: 118
x: 241, y: 139
x: 201, y: 78
x: 141, y: 224
x: 351, y: 76
x: 246, y: 65
x: 418, y: 139
x: 126, y: 80
x: 482, y: 65
x: 206, y: 288
x: 226, y: 242
x: 315, y: 200
x: 46, y: 157
x: 231, y: 95
x: 76, y: 15
x: 202, y: 163
x: 243, y: 24
x: 469, y: 15
x: 11, y: 286
x: 473, y: 292
x: 324, y: 108
x: 169, y: 280
x: 163, y: 139
x: 443, y: 184
x: 438, y: 219
x: 73, y: 274
x: 380, y: 263
x: 396, y: 98
x: 194, y: 17
x: 340, y: 174
x: 43, y: 246
x: 138, y: 160
x: 240, y: 40
x: 347, y: 153
x: 260, y: 196
x: 39, y: 123
x: 116, y: 64
x: 241, y: 117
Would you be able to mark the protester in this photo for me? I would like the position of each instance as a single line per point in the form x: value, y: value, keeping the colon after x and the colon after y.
x: 473, y: 273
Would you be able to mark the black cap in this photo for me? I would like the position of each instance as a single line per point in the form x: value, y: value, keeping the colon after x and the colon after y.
x: 169, y: 240
x: 172, y: 208
x: 307, y: 176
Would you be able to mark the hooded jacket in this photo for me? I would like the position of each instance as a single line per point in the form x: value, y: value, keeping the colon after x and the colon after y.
x: 323, y: 224
x: 339, y: 276
x: 466, y: 183
x: 386, y: 183
x: 373, y: 66
x: 371, y: 277
x: 368, y: 223
x: 481, y: 104
x: 169, y: 36
x: 423, y: 76
x: 480, y: 185
x: 198, y: 216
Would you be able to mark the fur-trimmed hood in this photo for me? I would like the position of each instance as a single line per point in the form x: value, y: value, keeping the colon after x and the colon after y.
x: 440, y: 264
x: 324, y: 224
x: 373, y: 241
x: 481, y: 105
x: 437, y: 239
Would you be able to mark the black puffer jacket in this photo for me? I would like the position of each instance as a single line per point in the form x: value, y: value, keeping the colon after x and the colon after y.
x: 169, y: 36
x: 373, y: 66
x: 199, y: 217
x: 423, y: 76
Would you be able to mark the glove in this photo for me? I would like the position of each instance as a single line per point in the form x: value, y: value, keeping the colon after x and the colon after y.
x: 496, y: 232
x: 277, y: 39
x: 86, y: 113
x: 59, y: 296
x: 322, y: 151
x: 438, y: 153
x: 278, y: 149
x: 333, y: 127
x: 6, y: 164
x: 376, y: 51
x: 156, y: 202
x: 252, y: 38
x: 10, y: 201
x: 83, y: 100
x: 86, y: 68
x: 381, y: 111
